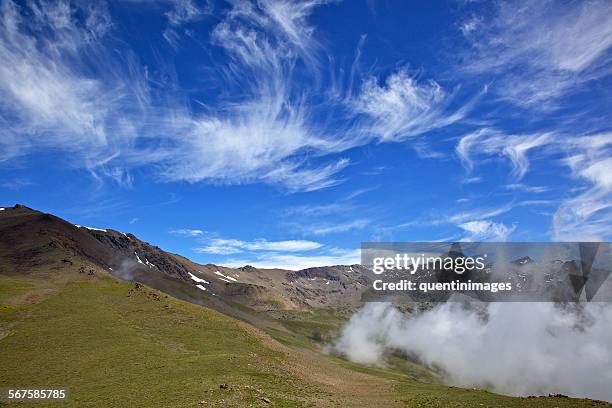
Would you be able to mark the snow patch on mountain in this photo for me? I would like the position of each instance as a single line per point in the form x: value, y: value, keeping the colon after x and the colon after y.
x: 225, y: 277
x: 90, y: 228
x: 196, y: 279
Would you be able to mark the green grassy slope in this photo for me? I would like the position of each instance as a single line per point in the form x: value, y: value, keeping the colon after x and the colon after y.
x: 113, y: 345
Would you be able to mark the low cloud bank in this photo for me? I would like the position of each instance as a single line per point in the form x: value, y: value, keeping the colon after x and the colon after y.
x: 510, y: 348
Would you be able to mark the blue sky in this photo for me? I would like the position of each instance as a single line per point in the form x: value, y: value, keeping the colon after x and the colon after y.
x: 279, y: 133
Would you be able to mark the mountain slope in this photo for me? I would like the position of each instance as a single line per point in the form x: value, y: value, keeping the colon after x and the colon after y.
x: 115, y: 344
x: 119, y: 344
x: 29, y: 238
x: 67, y: 321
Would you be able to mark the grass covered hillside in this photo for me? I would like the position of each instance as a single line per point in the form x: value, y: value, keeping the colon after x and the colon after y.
x: 114, y: 343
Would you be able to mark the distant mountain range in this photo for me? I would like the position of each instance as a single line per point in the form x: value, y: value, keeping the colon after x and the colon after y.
x: 30, y: 240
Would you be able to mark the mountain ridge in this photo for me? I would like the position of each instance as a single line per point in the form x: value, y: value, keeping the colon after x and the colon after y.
x: 31, y: 237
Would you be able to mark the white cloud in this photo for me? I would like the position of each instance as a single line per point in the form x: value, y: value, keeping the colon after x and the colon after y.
x: 261, y: 141
x: 182, y: 12
x: 588, y: 215
x: 476, y: 223
x: 32, y: 85
x: 265, y: 135
x: 290, y: 18
x: 478, y: 213
x: 285, y: 246
x: 486, y: 230
x: 296, y: 178
x: 117, y: 114
x: 539, y: 51
x: 297, y: 262
x: 526, y: 188
x: 490, y: 143
x: 61, y: 88
x: 113, y: 120
x: 185, y: 11
x: 506, y: 347
x: 470, y: 25
x: 337, y: 217
x: 335, y: 228
x: 585, y: 216
x: 285, y: 254
x: 402, y: 107
x: 271, y: 34
x: 188, y: 232
x: 317, y: 210
x: 221, y: 246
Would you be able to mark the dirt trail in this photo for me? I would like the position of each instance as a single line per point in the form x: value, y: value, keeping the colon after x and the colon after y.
x: 345, y: 387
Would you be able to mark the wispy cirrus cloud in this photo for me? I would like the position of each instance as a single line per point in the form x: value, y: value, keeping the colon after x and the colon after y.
x: 489, y: 143
x: 33, y: 83
x: 117, y: 115
x: 263, y: 253
x: 478, y: 223
x: 486, y: 230
x: 402, y: 107
x: 188, y: 232
x: 328, y: 218
x: 585, y: 216
x: 313, y: 210
x: 268, y: 135
x: 63, y: 88
x: 478, y: 213
x: 333, y: 256
x: 114, y: 121
x: 335, y: 228
x: 588, y: 215
x: 539, y: 51
x: 474, y: 224
x: 181, y: 13
x: 263, y: 135
x: 16, y: 184
x: 185, y: 11
x: 526, y: 188
x: 222, y: 246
